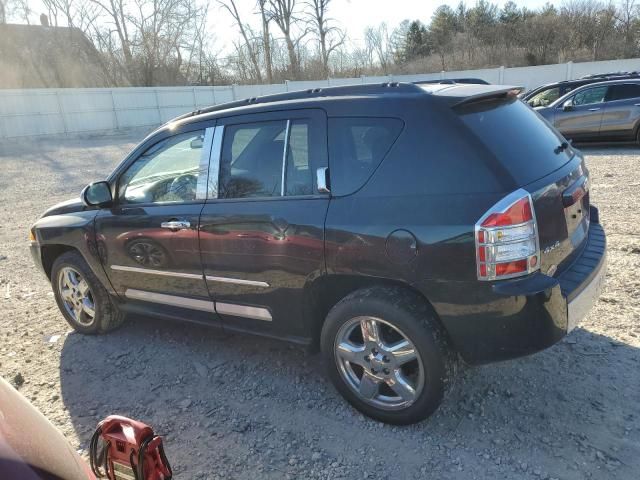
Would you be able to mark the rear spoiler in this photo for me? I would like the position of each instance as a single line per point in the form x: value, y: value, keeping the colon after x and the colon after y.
x: 460, y: 94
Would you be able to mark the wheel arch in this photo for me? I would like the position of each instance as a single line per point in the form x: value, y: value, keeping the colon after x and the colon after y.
x: 636, y: 130
x: 49, y: 253
x: 327, y: 290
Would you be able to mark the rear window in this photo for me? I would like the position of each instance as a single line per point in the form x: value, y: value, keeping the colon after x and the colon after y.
x: 521, y: 141
x: 357, y: 145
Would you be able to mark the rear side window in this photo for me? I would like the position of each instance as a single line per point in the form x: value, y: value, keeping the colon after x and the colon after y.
x: 623, y: 92
x: 520, y: 140
x: 253, y: 162
x: 357, y: 145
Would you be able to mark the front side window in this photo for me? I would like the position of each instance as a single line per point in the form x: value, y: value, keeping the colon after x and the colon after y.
x: 266, y: 159
x: 167, y: 172
x: 590, y: 95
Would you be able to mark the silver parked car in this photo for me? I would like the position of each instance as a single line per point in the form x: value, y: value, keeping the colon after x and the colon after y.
x: 605, y: 111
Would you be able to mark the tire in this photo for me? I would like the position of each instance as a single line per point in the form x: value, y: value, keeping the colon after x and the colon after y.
x: 78, y: 292
x: 398, y: 313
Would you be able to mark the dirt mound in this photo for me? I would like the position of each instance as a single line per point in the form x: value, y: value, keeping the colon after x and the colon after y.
x: 34, y: 56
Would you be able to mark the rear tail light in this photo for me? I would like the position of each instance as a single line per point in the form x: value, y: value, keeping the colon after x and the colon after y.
x: 507, y: 242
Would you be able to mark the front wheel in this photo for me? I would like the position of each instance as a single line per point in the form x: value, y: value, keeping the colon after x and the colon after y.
x: 387, y: 355
x: 83, y: 301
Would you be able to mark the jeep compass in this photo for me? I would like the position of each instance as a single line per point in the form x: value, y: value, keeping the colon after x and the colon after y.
x: 400, y: 228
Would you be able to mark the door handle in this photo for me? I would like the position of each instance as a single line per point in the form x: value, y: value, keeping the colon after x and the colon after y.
x: 594, y: 109
x: 636, y: 104
x: 176, y: 225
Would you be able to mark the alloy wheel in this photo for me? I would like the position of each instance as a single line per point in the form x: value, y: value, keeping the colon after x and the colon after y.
x: 76, y: 296
x: 379, y: 363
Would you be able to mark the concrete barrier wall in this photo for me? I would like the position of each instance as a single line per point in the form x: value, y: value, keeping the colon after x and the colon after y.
x: 81, y: 110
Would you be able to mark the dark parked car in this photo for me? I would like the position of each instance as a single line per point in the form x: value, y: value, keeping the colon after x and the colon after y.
x: 606, y: 111
x: 398, y: 227
x: 547, y: 94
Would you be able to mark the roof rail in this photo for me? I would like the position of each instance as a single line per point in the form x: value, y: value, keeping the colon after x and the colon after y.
x: 340, y: 91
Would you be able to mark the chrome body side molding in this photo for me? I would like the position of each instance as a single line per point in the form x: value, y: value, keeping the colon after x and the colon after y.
x: 193, y: 276
x: 173, y: 300
x: 237, y: 281
x: 245, y: 311
x: 165, y: 273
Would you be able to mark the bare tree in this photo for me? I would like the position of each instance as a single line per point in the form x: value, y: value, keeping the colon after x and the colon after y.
x: 115, y: 11
x: 330, y: 37
x: 627, y: 17
x: 230, y: 6
x: 266, y: 38
x: 282, y: 12
x: 377, y: 41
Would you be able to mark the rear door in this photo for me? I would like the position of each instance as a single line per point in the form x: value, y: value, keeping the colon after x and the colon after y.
x: 582, y: 118
x: 149, y: 240
x: 621, y: 112
x: 262, y: 228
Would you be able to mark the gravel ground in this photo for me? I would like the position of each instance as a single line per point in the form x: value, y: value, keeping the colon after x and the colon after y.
x: 245, y: 407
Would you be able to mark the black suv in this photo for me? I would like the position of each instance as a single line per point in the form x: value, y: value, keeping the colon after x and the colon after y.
x: 547, y: 94
x: 398, y: 227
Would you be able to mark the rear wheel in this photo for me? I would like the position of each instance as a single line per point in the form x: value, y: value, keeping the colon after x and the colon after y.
x: 387, y: 355
x: 83, y: 301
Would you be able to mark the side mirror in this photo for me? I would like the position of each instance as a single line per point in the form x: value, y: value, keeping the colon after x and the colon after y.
x: 97, y: 194
x: 567, y: 106
x: 197, y: 143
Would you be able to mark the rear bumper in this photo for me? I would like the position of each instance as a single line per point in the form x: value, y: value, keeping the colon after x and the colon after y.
x: 513, y: 318
x: 583, y: 282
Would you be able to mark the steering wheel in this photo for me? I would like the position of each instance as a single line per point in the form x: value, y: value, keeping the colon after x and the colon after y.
x: 184, y: 187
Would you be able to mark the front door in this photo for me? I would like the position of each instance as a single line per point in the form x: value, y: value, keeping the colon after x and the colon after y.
x: 262, y: 228
x: 583, y: 118
x: 149, y: 240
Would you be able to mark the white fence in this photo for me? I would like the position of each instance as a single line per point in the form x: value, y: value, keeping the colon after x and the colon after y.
x: 81, y: 110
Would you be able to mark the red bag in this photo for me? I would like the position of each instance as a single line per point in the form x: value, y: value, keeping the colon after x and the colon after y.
x: 130, y: 450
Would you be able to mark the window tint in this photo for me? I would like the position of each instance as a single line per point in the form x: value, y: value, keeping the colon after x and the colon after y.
x: 590, y: 95
x: 545, y: 97
x: 356, y: 148
x: 522, y: 143
x: 622, y: 92
x: 252, y: 160
x: 166, y: 172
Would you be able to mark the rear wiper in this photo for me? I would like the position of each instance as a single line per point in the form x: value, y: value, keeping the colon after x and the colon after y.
x: 562, y: 147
